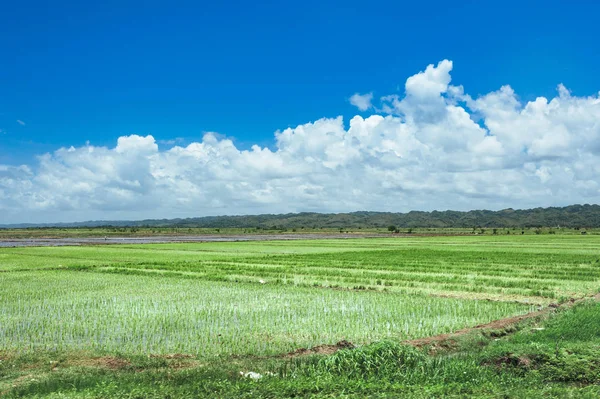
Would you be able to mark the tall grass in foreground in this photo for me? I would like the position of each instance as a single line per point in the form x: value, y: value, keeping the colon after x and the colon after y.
x: 555, y: 359
x: 62, y: 310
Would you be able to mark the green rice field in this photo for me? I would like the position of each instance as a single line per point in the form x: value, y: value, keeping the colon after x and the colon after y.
x: 272, y: 297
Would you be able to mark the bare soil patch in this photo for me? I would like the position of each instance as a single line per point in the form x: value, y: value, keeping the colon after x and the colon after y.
x: 320, y: 349
x: 108, y: 362
x: 512, y: 361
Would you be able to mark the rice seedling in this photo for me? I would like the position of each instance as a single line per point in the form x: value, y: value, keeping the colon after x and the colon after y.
x: 63, y: 310
x: 273, y: 297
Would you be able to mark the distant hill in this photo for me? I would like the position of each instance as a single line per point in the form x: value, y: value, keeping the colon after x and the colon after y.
x: 569, y: 216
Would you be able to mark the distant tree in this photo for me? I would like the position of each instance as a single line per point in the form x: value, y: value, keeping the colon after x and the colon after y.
x: 391, y: 228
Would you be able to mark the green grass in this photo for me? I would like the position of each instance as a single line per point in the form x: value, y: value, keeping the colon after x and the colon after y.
x: 554, y: 358
x: 529, y: 269
x: 67, y: 305
x: 65, y: 310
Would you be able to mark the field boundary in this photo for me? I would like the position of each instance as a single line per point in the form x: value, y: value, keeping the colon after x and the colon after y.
x: 502, y: 326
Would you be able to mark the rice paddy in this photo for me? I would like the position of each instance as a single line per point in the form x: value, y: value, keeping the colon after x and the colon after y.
x: 150, y: 314
x: 269, y: 298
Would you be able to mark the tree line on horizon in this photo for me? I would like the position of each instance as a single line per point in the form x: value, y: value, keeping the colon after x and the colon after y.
x: 573, y: 216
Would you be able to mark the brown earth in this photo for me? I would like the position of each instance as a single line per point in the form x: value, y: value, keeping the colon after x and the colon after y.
x: 109, y: 362
x: 511, y: 360
x: 320, y: 349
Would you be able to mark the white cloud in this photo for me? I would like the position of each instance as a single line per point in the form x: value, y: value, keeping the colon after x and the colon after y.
x: 423, y: 150
x: 20, y: 122
x: 362, y: 101
x: 431, y: 82
x: 135, y: 144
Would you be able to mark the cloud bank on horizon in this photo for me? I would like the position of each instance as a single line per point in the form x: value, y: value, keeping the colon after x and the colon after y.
x: 435, y: 147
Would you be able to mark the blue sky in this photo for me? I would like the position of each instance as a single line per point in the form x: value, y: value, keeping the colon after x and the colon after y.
x: 77, y: 71
x: 94, y: 72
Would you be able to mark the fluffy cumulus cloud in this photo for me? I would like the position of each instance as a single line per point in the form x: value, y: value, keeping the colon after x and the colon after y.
x: 362, y: 101
x: 433, y: 147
